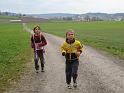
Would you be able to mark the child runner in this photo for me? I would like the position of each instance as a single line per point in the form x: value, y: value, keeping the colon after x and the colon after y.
x: 38, y: 42
x: 71, y: 49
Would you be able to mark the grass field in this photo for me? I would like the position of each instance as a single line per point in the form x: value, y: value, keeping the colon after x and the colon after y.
x: 15, y: 48
x: 8, y: 17
x: 14, y: 53
x: 5, y: 19
x: 107, y: 36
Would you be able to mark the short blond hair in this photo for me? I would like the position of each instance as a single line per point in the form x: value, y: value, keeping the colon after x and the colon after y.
x: 69, y: 31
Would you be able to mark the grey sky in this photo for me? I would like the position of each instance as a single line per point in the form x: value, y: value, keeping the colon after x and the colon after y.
x: 62, y: 6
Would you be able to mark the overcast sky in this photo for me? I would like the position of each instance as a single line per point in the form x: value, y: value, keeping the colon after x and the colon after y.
x: 62, y: 6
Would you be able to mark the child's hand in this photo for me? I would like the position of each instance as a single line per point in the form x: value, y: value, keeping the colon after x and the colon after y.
x: 63, y: 53
x: 32, y: 45
x: 78, y: 53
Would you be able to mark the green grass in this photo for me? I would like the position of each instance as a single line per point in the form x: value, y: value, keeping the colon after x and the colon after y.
x: 108, y: 36
x: 14, y: 53
x: 8, y: 17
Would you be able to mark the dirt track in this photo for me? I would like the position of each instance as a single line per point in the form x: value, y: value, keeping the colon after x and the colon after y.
x: 98, y: 73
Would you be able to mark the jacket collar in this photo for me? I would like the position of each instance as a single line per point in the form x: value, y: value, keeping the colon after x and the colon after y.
x: 70, y: 42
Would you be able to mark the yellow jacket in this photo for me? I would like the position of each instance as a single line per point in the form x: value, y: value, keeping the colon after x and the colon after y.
x: 71, y: 49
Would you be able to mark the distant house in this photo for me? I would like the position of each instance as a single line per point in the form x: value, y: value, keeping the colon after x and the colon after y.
x: 118, y: 19
x: 78, y: 18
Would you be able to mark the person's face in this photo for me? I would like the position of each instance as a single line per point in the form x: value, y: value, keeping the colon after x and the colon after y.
x: 70, y: 36
x: 37, y: 30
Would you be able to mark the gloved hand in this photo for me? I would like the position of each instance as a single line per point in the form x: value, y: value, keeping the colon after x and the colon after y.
x: 63, y: 53
x: 32, y: 45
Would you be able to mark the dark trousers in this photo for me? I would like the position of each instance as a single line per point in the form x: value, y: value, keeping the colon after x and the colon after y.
x: 38, y: 55
x: 71, y: 70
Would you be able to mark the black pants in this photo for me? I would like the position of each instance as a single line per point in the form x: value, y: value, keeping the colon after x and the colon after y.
x: 71, y: 70
x: 38, y: 55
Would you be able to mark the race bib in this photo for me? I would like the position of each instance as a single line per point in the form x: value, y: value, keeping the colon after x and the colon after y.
x: 37, y: 47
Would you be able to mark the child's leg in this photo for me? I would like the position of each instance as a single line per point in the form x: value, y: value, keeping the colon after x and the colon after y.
x: 42, y: 61
x: 68, y: 73
x: 36, y: 58
x: 75, y: 70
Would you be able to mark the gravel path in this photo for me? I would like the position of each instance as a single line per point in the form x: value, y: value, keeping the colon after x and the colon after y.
x: 98, y: 73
